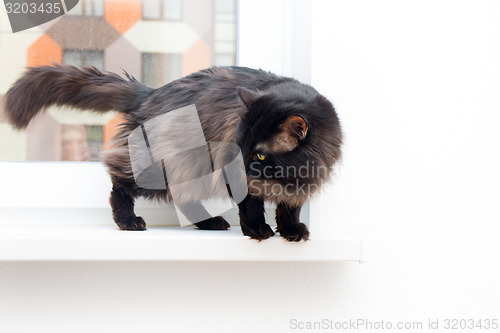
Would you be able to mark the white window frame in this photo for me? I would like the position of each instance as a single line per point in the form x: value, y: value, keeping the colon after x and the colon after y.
x: 88, y: 8
x: 78, y: 192
x: 162, y: 14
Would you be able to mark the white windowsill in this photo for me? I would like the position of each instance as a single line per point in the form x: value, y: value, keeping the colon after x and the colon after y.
x: 60, y: 211
x: 25, y: 242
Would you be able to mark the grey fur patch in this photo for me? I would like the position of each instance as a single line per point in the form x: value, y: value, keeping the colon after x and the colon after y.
x: 171, y: 151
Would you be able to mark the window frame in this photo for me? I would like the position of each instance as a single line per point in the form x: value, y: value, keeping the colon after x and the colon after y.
x: 84, y: 4
x: 171, y: 57
x: 44, y: 186
x: 84, y: 54
x: 161, y: 11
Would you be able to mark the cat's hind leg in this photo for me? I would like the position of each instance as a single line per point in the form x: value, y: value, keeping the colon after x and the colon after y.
x: 198, y: 215
x: 122, y: 205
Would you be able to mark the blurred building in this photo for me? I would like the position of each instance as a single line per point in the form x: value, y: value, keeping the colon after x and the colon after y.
x: 156, y: 41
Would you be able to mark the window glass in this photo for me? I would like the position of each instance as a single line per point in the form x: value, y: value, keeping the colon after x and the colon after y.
x: 162, y: 9
x: 224, y: 32
x: 156, y: 41
x: 94, y: 7
x: 224, y: 59
x: 151, y: 9
x: 78, y: 9
x: 92, y: 58
x: 88, y: 8
x: 172, y: 9
x: 160, y: 68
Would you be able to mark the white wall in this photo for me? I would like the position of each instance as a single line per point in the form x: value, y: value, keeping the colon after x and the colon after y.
x: 416, y: 86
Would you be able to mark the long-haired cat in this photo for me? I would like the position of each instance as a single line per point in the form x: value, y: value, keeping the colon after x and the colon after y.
x: 288, y: 133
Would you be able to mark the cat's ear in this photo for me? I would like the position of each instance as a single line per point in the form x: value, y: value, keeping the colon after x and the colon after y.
x: 295, y: 126
x: 248, y: 97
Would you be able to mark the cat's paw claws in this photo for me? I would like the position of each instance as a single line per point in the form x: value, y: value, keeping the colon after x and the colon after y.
x: 259, y: 232
x: 294, y: 232
x: 213, y: 223
x: 135, y: 223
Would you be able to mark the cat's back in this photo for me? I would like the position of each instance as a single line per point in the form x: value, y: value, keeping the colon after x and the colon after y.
x: 214, y: 94
x: 228, y: 77
x: 213, y: 87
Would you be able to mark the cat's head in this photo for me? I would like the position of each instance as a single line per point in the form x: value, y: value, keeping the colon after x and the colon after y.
x: 290, y: 138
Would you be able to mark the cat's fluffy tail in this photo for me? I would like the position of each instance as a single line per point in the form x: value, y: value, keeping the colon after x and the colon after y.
x: 85, y: 88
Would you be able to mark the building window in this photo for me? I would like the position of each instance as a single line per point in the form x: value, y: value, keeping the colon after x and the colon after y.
x: 170, y: 10
x: 95, y: 140
x: 88, y: 8
x: 224, y: 59
x: 225, y: 10
x: 225, y: 33
x: 82, y: 142
x: 193, y: 35
x: 159, y: 69
x: 84, y: 58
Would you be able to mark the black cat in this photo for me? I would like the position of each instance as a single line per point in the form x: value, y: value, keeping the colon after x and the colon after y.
x: 289, y: 136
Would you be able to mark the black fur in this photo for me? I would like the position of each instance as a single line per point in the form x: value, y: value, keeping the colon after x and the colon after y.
x: 235, y: 104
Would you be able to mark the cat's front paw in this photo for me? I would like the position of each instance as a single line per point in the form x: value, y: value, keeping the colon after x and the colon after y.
x: 258, y: 232
x: 135, y: 223
x: 294, y: 232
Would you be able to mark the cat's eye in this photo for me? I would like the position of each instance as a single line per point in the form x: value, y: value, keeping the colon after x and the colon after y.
x: 261, y: 157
